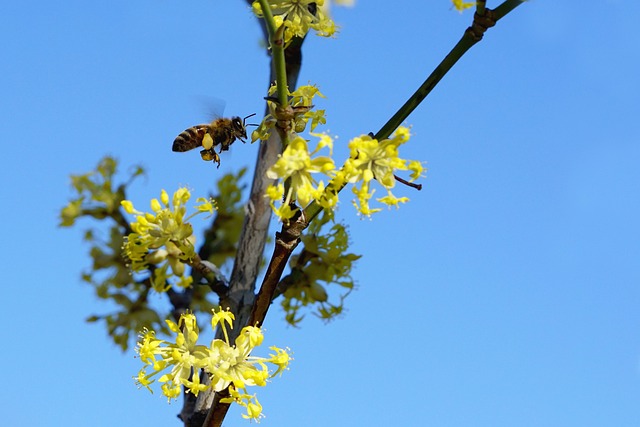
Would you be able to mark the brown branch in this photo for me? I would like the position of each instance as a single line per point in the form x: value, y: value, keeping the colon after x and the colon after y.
x: 286, y: 242
x: 481, y: 23
x: 297, y: 271
x: 213, y: 278
x: 408, y: 183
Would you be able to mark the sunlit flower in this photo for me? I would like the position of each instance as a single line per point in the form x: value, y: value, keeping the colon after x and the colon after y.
x: 372, y: 159
x: 295, y: 166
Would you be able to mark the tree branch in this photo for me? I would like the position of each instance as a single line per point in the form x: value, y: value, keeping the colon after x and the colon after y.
x: 241, y: 295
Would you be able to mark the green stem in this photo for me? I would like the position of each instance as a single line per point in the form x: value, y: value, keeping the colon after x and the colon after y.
x: 427, y: 86
x: 268, y: 18
x: 480, y: 6
x: 276, y: 43
x: 280, y: 63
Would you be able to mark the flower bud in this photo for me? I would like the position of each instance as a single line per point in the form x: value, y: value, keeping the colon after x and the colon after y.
x: 317, y: 292
x: 176, y: 266
x: 156, y: 257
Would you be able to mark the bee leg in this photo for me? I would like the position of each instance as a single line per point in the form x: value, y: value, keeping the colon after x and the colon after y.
x: 210, y: 155
x: 224, y: 146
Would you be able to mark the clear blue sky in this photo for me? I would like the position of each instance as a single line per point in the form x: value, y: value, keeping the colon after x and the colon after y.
x: 505, y: 294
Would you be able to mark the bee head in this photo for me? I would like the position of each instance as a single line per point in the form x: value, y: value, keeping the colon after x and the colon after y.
x: 240, y: 126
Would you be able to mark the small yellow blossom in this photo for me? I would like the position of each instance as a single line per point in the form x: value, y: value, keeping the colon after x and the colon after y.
x: 391, y: 200
x: 143, y: 381
x: 363, y: 196
x: 195, y: 386
x: 250, y: 402
x: 171, y: 391
x: 220, y: 318
x: 128, y: 206
x: 254, y: 410
x: 461, y: 5
x: 281, y: 359
x: 325, y: 141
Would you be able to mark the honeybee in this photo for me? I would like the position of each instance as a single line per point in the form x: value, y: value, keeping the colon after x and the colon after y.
x: 222, y: 132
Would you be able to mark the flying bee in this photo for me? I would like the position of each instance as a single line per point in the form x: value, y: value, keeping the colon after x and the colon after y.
x: 221, y: 131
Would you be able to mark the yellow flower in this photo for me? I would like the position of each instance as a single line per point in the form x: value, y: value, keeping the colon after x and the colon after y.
x: 254, y: 410
x: 295, y: 166
x: 219, y: 318
x: 250, y: 402
x: 280, y: 359
x: 195, y: 386
x: 143, y: 380
x: 461, y: 5
x: 185, y: 354
x: 391, y: 200
x: 148, y: 347
x: 363, y: 195
x: 250, y: 337
x: 172, y: 391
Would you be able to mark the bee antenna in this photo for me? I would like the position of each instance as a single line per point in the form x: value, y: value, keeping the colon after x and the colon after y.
x: 250, y: 115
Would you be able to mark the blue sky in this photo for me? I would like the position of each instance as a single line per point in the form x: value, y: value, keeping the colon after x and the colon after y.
x: 504, y: 294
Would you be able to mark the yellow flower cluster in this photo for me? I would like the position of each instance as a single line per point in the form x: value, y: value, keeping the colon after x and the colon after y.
x: 225, y: 365
x: 372, y: 159
x: 369, y: 159
x: 163, y: 238
x: 295, y: 166
x: 298, y: 16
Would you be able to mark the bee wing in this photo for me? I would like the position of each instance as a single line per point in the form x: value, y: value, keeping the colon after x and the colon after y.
x: 190, y: 138
x: 212, y: 107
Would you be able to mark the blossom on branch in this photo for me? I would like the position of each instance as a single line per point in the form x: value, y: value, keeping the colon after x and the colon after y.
x: 164, y: 237
x: 298, y: 17
x: 179, y: 363
x: 294, y: 167
x: 372, y: 159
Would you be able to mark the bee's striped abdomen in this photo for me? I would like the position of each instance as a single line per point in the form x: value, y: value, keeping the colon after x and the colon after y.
x: 190, y: 138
